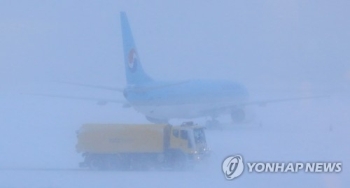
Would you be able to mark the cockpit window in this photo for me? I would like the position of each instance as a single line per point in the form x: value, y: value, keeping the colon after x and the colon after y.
x: 199, y: 136
x: 184, y: 134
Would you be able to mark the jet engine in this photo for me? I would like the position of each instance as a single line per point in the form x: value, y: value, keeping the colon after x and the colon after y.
x: 155, y: 120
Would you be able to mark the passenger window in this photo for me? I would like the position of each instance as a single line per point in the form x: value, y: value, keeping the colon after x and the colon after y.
x: 176, y: 133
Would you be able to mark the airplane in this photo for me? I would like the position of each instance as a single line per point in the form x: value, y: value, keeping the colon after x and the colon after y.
x: 162, y: 101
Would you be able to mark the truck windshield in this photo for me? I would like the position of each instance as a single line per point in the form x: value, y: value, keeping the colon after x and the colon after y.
x: 199, y: 136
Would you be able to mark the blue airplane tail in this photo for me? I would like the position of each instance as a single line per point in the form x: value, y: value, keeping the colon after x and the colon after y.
x: 133, y: 68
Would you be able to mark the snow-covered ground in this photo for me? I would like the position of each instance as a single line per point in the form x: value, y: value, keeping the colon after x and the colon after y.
x: 254, y: 145
x: 37, y: 147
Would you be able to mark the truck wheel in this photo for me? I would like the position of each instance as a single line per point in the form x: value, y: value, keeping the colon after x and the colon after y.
x: 178, y: 161
x: 111, y: 163
x: 116, y: 162
x: 96, y: 164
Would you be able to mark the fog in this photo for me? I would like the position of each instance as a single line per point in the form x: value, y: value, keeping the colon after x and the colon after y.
x: 277, y: 49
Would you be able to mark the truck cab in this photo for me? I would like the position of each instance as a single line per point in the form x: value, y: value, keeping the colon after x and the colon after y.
x: 190, y: 139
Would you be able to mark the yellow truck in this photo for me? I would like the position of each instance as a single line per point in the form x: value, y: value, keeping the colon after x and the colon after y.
x: 141, y: 146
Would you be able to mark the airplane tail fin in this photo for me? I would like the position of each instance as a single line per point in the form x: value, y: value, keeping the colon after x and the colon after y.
x: 133, y: 68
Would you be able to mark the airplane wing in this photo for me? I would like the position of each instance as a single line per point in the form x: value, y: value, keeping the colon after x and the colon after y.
x: 265, y: 102
x: 258, y: 103
x: 92, y: 86
x: 160, y: 86
x: 100, y: 101
x: 135, y: 88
